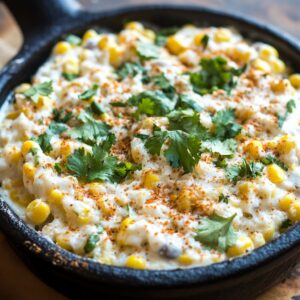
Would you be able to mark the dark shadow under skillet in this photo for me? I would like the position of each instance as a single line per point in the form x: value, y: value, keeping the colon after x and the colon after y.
x: 80, y: 278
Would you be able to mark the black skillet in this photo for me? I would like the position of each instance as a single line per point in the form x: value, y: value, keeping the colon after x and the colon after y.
x: 43, y: 23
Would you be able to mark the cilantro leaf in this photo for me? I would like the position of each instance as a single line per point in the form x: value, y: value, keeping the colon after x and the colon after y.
x: 290, y: 106
x: 223, y: 198
x: 225, y: 124
x: 155, y: 142
x: 216, y: 232
x: 88, y: 94
x: 151, y: 103
x: 70, y: 76
x: 244, y: 170
x: 214, y: 75
x: 61, y: 116
x: 285, y: 225
x: 58, y: 168
x: 225, y: 148
x: 164, y: 84
x: 204, y: 41
x: 147, y: 51
x: 73, y: 39
x: 42, y: 89
x: 97, y: 108
x: 123, y: 169
x: 270, y: 159
x: 185, y: 102
x: 162, y: 35
x: 91, y: 243
x: 131, y: 70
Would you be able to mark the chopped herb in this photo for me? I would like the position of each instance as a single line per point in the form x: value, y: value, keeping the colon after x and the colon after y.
x: 214, y: 75
x: 216, y: 232
x: 221, y: 163
x: 290, y: 106
x: 226, y: 148
x: 58, y: 168
x: 118, y: 104
x: 97, y: 108
x: 73, y: 40
x: 270, y: 159
x: 70, y: 76
x: 204, y: 41
x: 244, y: 170
x: 285, y: 225
x: 223, y: 198
x: 123, y: 169
x: 88, y: 94
x: 42, y: 89
x: 91, y: 243
x: 164, y: 84
x: 131, y: 70
x: 61, y: 116
x: 147, y: 51
x: 163, y: 34
x: 130, y: 211
x: 142, y: 136
x: 184, y: 102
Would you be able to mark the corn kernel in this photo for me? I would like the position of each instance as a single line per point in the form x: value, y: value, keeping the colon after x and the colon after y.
x: 37, y: 211
x: 29, y: 171
x: 185, y: 259
x: 286, y: 202
x: 244, y: 113
x: 125, y: 223
x: 44, y: 102
x: 115, y: 55
x: 22, y: 88
x: 84, y: 217
x: 62, y: 48
x: 71, y: 66
x: 261, y: 65
x: 254, y: 148
x: 275, y: 174
x: 278, y: 86
x: 135, y: 262
x: 89, y: 35
x: 198, y: 38
x: 242, y: 245
x: 174, y: 45
x: 65, y: 149
x: 240, y: 54
x: 56, y: 196
x: 14, y: 156
x: 63, y: 242
x: 134, y: 26
x: 222, y: 35
x: 270, y: 145
x: 27, y: 146
x: 267, y: 51
x: 295, y: 80
x: 286, y: 144
x: 147, y: 123
x: 104, y: 42
x: 268, y: 233
x: 150, y: 180
x: 277, y: 65
x: 294, y: 211
x: 245, y: 188
x: 106, y: 207
x: 186, y: 199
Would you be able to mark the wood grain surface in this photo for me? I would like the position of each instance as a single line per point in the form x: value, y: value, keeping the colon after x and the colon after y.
x: 16, y: 281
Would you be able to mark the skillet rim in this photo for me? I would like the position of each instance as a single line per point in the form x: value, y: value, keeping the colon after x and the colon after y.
x: 21, y: 233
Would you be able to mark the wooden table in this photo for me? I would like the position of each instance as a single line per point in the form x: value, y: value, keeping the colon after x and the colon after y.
x: 16, y: 281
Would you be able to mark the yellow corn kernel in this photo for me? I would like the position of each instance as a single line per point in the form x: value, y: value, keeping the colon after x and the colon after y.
x: 150, y: 180
x: 13, y: 115
x: 222, y: 35
x: 44, y: 102
x: 286, y: 201
x: 244, y: 113
x: 115, y: 55
x: 245, y: 188
x: 135, y: 262
x: 254, y: 148
x: 84, y: 217
x: 71, y: 66
x: 29, y: 171
x: 56, y: 196
x: 185, y: 259
x: 261, y: 65
x: 89, y: 35
x: 62, y: 48
x: 174, y: 45
x: 37, y: 211
x: 22, y: 88
x: 277, y: 65
x: 121, y: 237
x: 198, y: 38
x: 27, y: 146
x: 104, y: 42
x: 278, y: 86
x: 267, y: 51
x: 286, y: 144
x: 275, y: 173
x: 240, y: 54
x: 270, y: 145
x: 295, y: 80
x: 134, y: 26
x: 106, y: 207
x: 243, y: 244
x: 268, y: 233
x: 65, y: 149
x: 186, y: 199
x: 63, y: 242
x: 125, y: 223
x: 147, y: 123
x: 294, y: 211
x: 149, y: 34
x: 14, y: 156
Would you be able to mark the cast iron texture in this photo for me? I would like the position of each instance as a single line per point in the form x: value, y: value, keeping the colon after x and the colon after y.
x: 241, y: 278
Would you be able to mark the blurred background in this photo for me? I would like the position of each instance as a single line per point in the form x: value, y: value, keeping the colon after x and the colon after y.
x: 16, y: 281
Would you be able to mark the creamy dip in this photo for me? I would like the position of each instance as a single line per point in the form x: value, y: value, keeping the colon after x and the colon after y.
x: 155, y: 150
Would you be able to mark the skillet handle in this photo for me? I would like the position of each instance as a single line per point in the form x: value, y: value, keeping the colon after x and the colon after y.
x: 37, y: 17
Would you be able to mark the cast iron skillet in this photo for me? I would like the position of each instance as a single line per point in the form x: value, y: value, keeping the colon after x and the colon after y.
x: 43, y: 23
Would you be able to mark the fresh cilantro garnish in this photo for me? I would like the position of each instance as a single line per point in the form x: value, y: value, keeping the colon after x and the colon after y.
x: 290, y: 106
x: 162, y: 35
x: 142, y: 136
x: 223, y: 198
x: 151, y: 103
x: 216, y: 232
x: 226, y: 148
x: 183, y: 149
x: 58, y: 168
x: 214, y: 75
x: 244, y: 170
x: 91, y: 243
x: 90, y: 131
x: 185, y: 102
x: 61, y: 116
x: 118, y: 104
x: 285, y: 225
x: 73, y: 40
x: 164, y: 85
x: 130, y: 211
x: 270, y: 159
x: 97, y: 108
x: 44, y: 139
x: 204, y: 41
x: 70, y: 76
x: 88, y: 94
x: 225, y: 124
x: 147, y: 51
x: 131, y: 70
x: 42, y: 89
x: 123, y: 169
